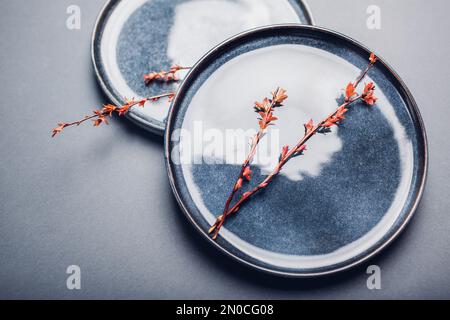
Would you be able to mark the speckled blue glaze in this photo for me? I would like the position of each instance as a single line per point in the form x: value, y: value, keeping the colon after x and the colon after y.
x: 303, y: 228
x: 134, y: 36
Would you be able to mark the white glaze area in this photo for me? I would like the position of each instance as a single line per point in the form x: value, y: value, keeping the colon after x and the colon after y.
x: 310, y: 75
x: 259, y: 72
x: 198, y: 26
x: 201, y: 24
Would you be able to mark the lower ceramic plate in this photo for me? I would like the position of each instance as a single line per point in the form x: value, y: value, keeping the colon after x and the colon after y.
x: 134, y: 37
x: 352, y: 192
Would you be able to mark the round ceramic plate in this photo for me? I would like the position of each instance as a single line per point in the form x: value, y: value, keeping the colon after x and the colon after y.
x: 340, y: 203
x: 134, y: 37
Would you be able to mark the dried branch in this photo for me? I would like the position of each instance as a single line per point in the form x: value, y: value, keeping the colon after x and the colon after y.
x: 165, y: 76
x: 265, y: 111
x: 100, y: 116
x: 335, y: 118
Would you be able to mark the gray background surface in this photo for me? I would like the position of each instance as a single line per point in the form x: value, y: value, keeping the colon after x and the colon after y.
x: 99, y: 197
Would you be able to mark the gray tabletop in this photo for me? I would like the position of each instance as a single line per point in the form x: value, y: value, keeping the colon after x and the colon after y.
x: 99, y: 198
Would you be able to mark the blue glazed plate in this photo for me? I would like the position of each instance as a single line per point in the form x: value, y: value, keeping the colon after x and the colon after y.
x: 351, y: 193
x: 134, y: 37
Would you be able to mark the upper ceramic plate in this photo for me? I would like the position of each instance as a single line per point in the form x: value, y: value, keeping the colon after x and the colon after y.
x: 343, y: 201
x: 134, y: 37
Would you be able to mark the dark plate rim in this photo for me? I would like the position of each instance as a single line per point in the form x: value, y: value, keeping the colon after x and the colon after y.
x: 154, y: 127
x: 411, y: 104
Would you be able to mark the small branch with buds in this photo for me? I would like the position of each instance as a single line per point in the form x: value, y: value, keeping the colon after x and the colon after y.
x: 335, y: 118
x: 164, y: 76
x: 100, y: 116
x: 266, y: 118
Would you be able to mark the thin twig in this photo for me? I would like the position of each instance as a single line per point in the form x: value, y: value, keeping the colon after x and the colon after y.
x: 310, y: 130
x: 166, y: 76
x: 265, y: 110
x: 100, y: 116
